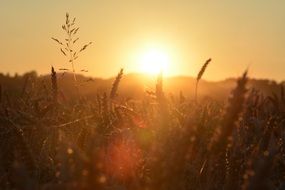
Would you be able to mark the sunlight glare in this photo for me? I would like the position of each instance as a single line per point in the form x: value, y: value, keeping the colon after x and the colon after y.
x: 154, y: 61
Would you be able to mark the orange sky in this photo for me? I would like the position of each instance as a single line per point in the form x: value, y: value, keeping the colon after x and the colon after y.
x: 235, y: 34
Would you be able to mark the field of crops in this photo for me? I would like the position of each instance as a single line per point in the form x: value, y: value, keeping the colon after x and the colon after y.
x: 158, y: 142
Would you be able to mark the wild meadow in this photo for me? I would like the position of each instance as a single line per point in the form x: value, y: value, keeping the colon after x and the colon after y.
x: 156, y: 142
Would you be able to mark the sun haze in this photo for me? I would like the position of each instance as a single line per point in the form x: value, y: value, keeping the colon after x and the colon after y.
x: 236, y: 34
x: 153, y: 61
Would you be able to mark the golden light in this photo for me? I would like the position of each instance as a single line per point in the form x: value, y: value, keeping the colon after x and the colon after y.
x: 154, y: 61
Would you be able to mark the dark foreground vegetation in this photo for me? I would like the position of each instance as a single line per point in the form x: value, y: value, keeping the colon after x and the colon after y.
x: 156, y: 142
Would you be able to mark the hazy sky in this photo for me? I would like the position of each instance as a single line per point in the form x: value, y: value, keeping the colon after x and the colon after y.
x: 236, y: 34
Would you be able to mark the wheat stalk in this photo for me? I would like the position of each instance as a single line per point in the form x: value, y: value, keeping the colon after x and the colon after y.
x: 159, y: 87
x: 233, y: 111
x: 54, y: 85
x: 200, y: 75
x: 115, y: 85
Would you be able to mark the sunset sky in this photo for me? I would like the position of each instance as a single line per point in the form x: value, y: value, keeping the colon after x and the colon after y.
x: 235, y: 34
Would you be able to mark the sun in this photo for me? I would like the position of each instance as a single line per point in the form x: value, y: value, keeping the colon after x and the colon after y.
x: 154, y: 61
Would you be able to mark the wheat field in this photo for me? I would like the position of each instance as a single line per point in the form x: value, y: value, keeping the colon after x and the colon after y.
x: 159, y: 141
